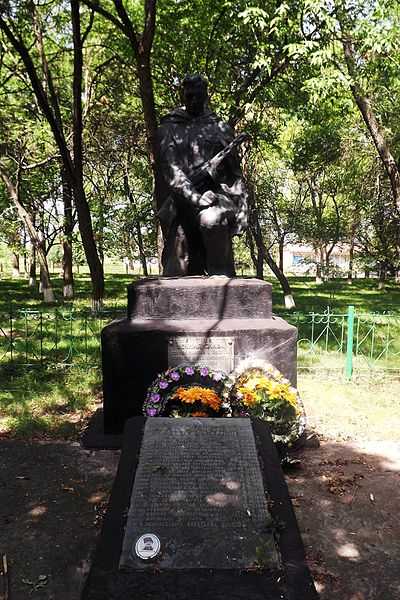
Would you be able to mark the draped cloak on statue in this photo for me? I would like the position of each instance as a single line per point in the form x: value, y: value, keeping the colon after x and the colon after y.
x: 184, y: 143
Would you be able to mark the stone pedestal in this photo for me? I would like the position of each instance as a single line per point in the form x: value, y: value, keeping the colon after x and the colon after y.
x: 135, y: 349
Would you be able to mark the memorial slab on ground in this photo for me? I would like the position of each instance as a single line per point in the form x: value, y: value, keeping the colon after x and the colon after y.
x: 50, y: 517
x: 198, y: 487
x: 201, y: 554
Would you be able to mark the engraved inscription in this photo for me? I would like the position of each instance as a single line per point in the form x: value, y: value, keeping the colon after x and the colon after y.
x: 198, y: 482
x: 198, y: 486
x: 215, y: 352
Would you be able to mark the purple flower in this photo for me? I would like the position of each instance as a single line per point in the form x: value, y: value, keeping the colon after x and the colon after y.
x: 189, y: 371
x: 175, y: 375
x: 154, y: 397
x: 163, y: 384
x: 217, y: 376
x: 151, y: 412
x: 204, y: 371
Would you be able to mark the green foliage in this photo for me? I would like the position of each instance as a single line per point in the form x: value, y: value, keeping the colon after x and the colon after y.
x: 276, y: 70
x: 272, y: 527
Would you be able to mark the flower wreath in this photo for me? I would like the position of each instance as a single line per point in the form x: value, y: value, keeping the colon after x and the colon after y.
x: 258, y: 389
x: 187, y: 391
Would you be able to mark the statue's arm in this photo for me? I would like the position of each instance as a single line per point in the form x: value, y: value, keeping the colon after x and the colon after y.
x: 235, y: 185
x: 170, y: 165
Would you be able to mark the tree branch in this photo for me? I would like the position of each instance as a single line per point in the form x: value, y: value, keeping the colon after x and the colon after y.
x: 95, y: 6
x: 149, y: 25
x: 40, y: 93
x: 41, y: 163
x: 89, y: 27
x: 45, y: 67
x: 129, y: 30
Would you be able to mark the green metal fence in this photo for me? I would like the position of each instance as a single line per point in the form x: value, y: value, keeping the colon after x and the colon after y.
x: 344, y: 344
x: 54, y: 337
x: 348, y: 344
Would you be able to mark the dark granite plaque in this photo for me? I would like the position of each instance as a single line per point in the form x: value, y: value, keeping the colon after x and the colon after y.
x: 214, y: 352
x: 198, y: 487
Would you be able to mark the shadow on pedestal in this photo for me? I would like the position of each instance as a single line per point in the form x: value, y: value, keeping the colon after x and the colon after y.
x: 135, y: 349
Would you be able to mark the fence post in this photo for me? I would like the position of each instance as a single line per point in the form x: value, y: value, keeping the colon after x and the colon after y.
x: 350, y: 336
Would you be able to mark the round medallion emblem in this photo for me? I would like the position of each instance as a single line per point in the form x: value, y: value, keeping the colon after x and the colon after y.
x: 147, y: 546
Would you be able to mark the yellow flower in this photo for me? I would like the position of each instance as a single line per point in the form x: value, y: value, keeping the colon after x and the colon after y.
x: 263, y: 383
x: 249, y: 397
x: 274, y: 390
x: 256, y: 385
x: 251, y: 383
x: 291, y: 399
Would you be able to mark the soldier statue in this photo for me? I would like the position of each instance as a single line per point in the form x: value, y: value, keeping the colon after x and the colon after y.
x: 200, y: 190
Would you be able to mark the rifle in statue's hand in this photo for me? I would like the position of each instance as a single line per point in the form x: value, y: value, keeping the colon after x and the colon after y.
x: 203, y: 178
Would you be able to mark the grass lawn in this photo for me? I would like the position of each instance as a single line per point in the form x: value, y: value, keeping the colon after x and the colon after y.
x: 50, y: 402
x: 335, y: 294
x: 53, y: 401
x: 18, y: 294
x: 357, y: 410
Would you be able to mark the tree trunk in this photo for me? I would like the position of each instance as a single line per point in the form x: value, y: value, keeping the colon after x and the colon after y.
x: 281, y: 247
x: 370, y: 119
x: 318, y: 275
x: 15, y: 265
x: 141, y: 249
x: 327, y: 267
x: 319, y: 266
x: 73, y: 168
x: 48, y: 295
x: 100, y: 228
x: 264, y: 254
x: 25, y: 254
x: 397, y: 273
x: 148, y: 104
x: 150, y: 119
x: 382, y: 278
x: 256, y: 253
x: 351, y: 254
x: 82, y: 207
x: 141, y: 49
x: 285, y: 285
x: 32, y: 269
x: 351, y: 265
x: 68, y: 276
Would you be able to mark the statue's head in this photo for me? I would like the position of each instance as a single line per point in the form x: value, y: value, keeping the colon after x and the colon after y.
x: 195, y: 95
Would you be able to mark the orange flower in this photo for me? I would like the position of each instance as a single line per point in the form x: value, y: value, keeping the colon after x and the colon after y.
x: 206, y: 396
x: 199, y: 414
x: 185, y: 395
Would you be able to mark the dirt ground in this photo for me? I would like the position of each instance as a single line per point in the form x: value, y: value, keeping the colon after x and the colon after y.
x: 346, y: 496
